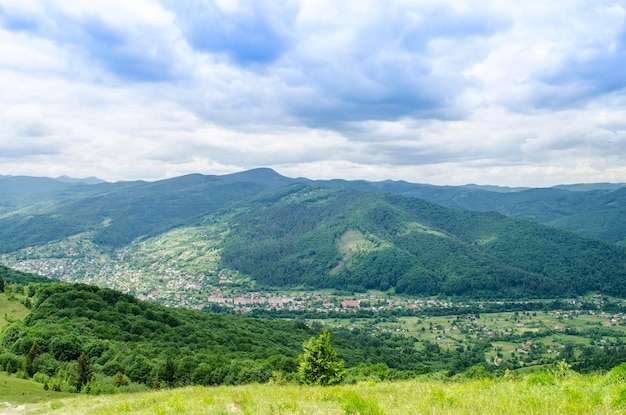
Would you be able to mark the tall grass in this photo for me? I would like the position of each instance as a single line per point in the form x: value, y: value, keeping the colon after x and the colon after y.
x: 572, y: 395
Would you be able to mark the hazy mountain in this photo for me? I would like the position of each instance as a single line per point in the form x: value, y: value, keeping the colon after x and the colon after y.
x: 86, y: 180
x: 594, y: 210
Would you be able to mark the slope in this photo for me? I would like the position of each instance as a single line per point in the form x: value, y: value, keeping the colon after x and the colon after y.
x: 117, y: 213
x: 130, y: 340
x: 320, y: 237
x: 594, y: 213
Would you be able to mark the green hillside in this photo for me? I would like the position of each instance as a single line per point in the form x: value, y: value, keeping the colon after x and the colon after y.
x: 593, y: 210
x: 350, y: 240
x: 131, y: 344
x: 10, y: 275
x: 130, y: 236
x: 118, y: 213
x: 596, y: 213
x: 144, y: 342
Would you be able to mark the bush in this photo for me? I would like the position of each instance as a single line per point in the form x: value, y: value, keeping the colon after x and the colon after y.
x: 45, y: 364
x: 477, y: 372
x: 10, y: 363
x: 41, y: 378
x: 112, y: 367
x: 317, y: 363
x: 66, y: 348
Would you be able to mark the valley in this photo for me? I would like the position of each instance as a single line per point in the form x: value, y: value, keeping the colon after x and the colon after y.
x: 213, y: 280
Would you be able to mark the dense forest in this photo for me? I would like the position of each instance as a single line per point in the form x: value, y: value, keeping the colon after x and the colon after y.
x: 122, y: 341
x: 355, y: 241
x: 10, y: 275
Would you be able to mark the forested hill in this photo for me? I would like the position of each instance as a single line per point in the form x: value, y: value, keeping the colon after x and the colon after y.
x: 127, y: 340
x: 118, y: 213
x: 350, y: 240
x: 278, y: 234
x: 16, y: 277
x: 594, y: 210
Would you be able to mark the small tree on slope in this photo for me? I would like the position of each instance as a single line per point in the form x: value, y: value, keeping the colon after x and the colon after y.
x: 318, y: 365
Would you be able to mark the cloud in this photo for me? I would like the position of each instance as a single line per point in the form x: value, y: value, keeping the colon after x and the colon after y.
x: 246, y: 33
x: 132, y: 49
x: 387, y: 63
x: 443, y: 91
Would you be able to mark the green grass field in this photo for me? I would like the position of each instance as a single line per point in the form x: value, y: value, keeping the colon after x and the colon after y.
x: 10, y: 311
x: 573, y: 395
x: 15, y: 392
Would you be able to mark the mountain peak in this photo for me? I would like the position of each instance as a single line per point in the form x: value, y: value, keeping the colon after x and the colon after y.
x: 261, y: 175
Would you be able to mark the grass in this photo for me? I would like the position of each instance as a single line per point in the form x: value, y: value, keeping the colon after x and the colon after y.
x: 21, y: 391
x: 574, y: 395
x: 10, y: 311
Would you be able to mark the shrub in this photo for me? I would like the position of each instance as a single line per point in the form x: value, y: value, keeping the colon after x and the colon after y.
x: 46, y: 364
x: 10, y: 362
x: 317, y: 363
x: 41, y: 378
x: 66, y: 348
x: 477, y: 372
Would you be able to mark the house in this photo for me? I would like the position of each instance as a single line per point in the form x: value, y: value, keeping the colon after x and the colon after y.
x: 350, y: 304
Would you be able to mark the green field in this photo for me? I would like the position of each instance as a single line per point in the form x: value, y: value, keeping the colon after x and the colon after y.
x: 573, y: 395
x: 10, y: 311
x: 15, y: 392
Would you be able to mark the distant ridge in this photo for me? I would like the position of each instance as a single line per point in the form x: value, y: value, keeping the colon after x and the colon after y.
x: 86, y: 180
x: 586, y: 187
x: 592, y: 209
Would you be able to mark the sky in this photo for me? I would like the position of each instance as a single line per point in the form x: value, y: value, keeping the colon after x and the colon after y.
x: 448, y: 92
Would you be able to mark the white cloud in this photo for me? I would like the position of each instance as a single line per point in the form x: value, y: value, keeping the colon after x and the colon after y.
x: 520, y: 93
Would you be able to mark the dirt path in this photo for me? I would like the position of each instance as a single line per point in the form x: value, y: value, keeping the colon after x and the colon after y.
x: 7, y: 409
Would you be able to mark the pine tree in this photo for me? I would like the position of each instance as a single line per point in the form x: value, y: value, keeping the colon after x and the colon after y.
x: 83, y: 371
x: 34, y: 351
x: 318, y: 363
x: 120, y: 380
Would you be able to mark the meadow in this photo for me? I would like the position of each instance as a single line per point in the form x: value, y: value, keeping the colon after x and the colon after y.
x: 538, y: 393
x: 11, y: 311
x: 16, y: 392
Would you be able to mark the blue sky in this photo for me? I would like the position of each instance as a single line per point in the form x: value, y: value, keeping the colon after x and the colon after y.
x: 518, y: 93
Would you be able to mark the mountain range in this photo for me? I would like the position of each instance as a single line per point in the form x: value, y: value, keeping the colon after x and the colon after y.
x: 351, y: 235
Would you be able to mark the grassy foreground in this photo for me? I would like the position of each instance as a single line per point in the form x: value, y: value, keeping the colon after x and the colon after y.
x: 16, y: 393
x: 573, y: 395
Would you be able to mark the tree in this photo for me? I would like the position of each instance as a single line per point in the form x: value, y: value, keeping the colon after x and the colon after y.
x: 34, y: 351
x: 83, y: 371
x: 1, y: 284
x: 318, y: 365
